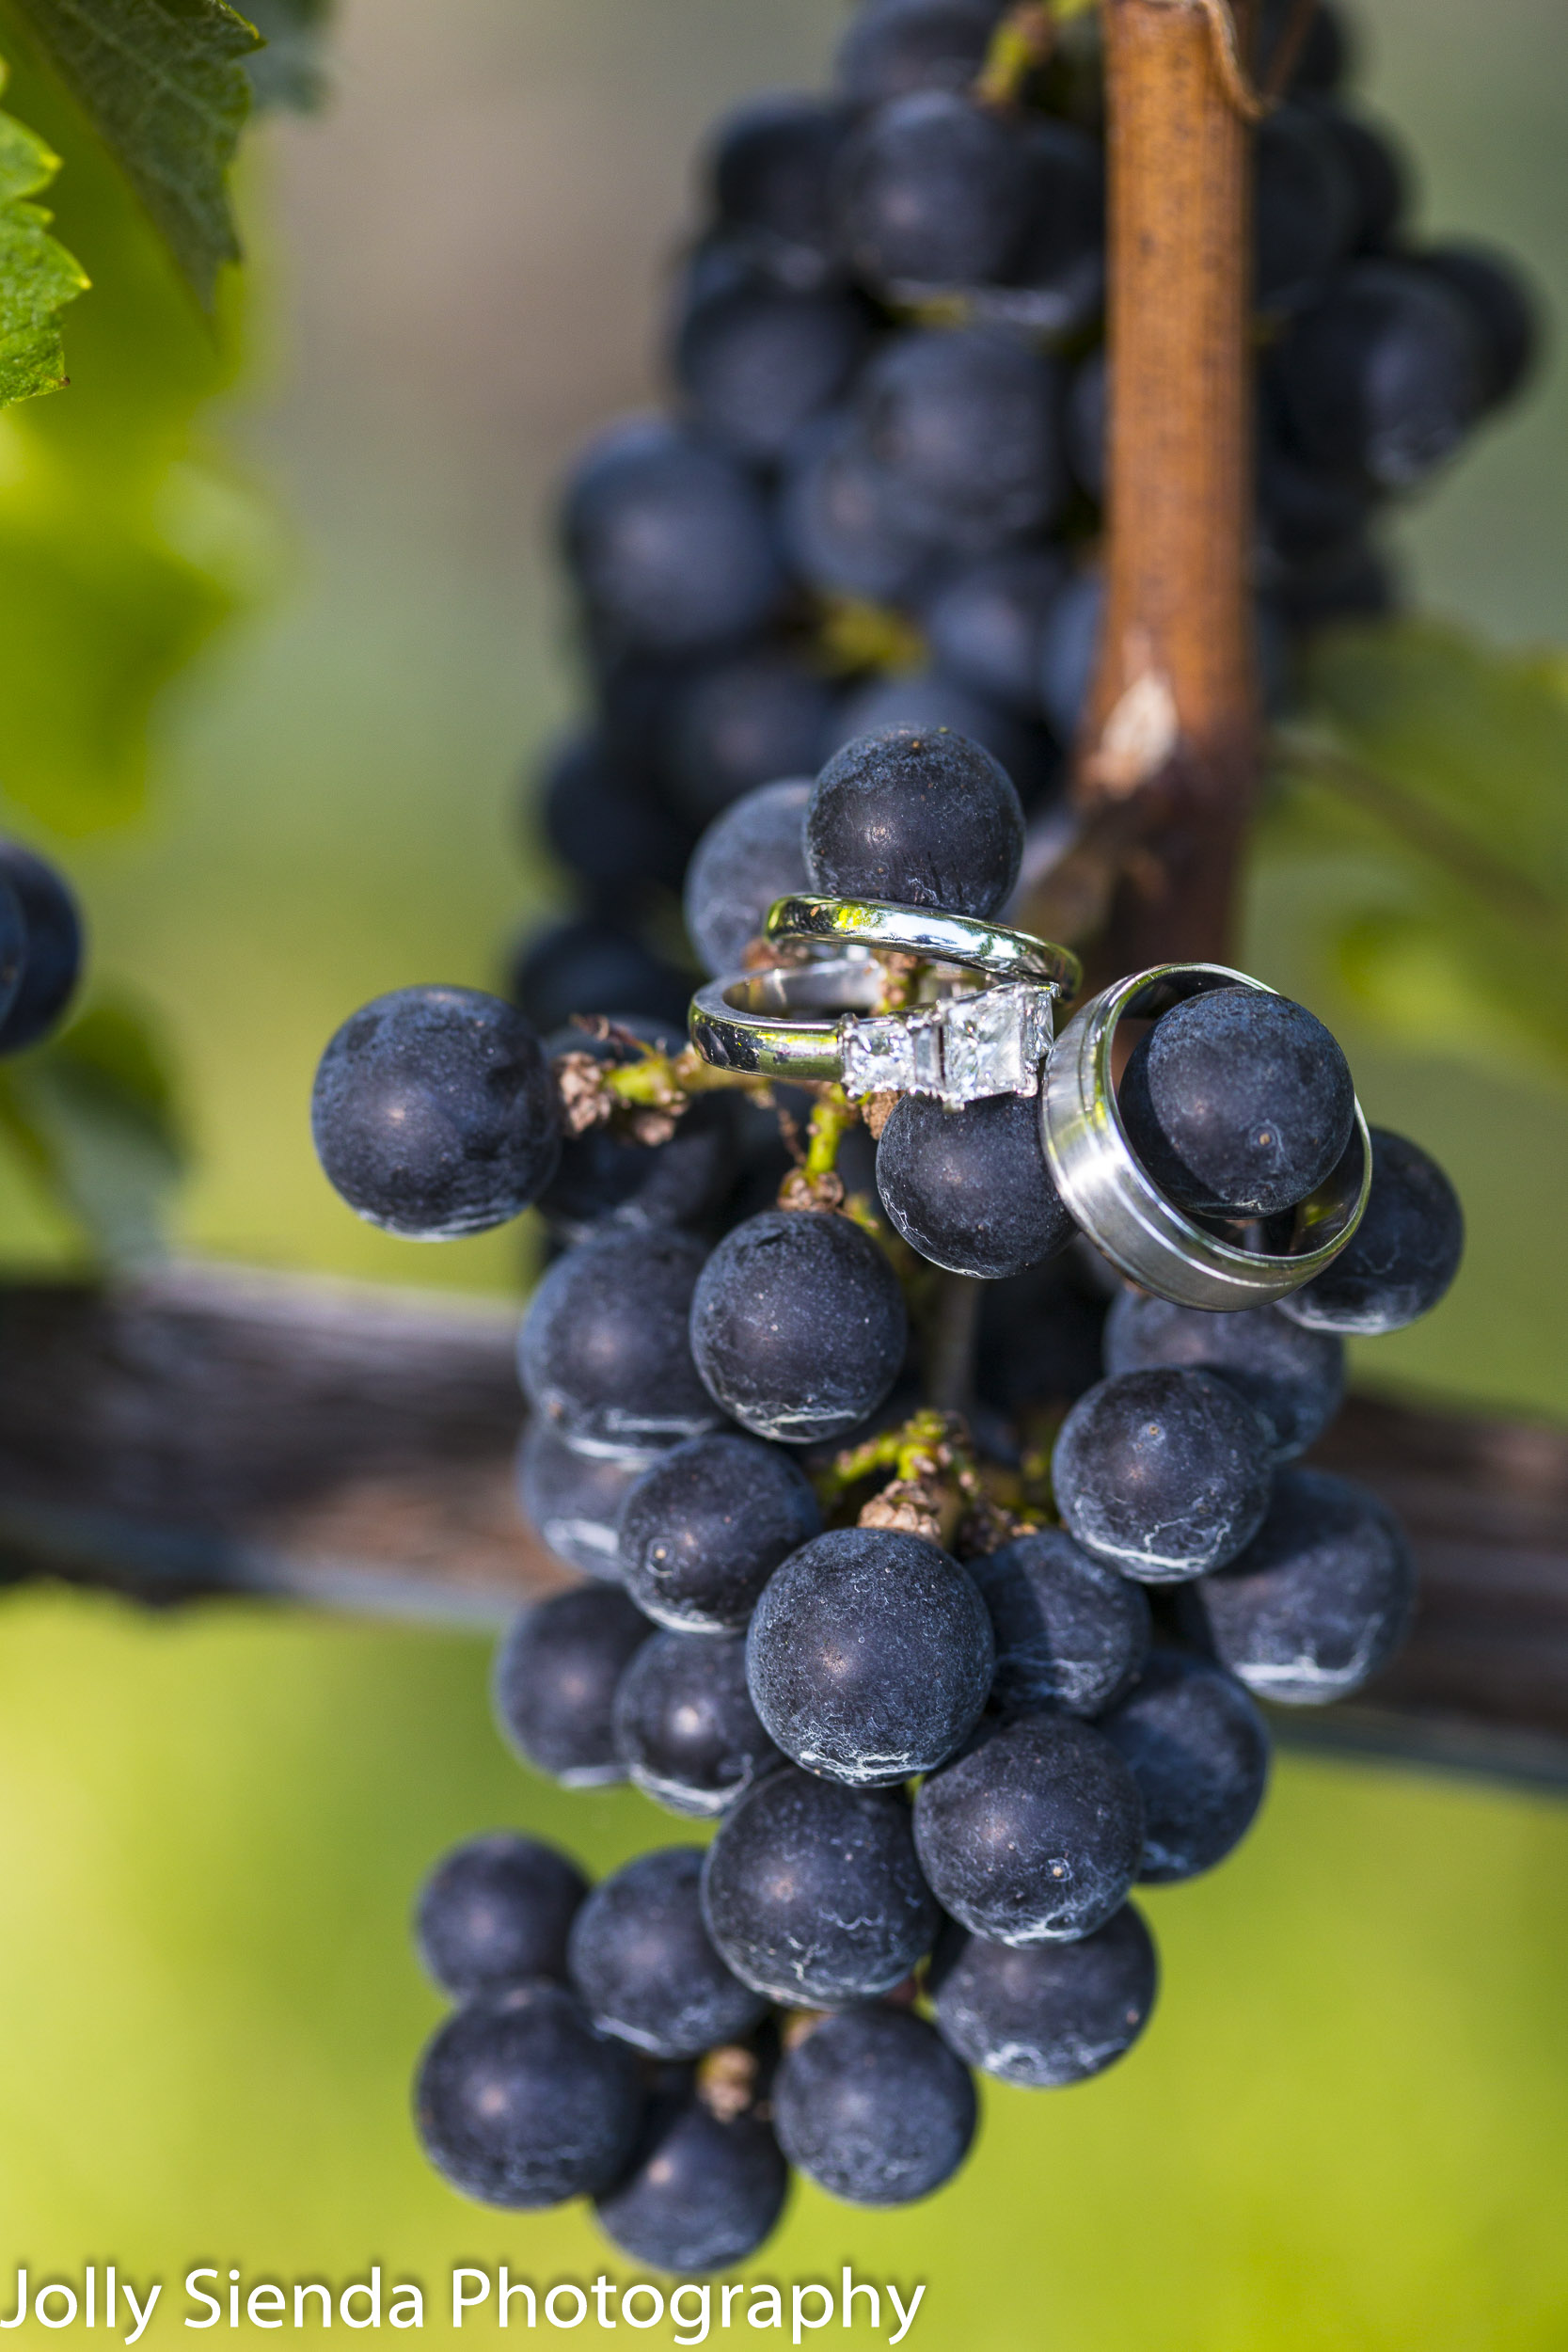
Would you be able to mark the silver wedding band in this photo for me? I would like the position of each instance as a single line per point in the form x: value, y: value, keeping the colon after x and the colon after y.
x: 1114, y: 1199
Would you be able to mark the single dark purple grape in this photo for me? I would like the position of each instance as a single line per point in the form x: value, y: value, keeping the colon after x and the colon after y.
x: 1403, y: 1256
x: 1294, y: 1377
x: 1306, y: 212
x: 706, y: 1525
x: 1383, y: 376
x: 847, y: 527
x: 752, y: 854
x: 1070, y: 1630
x: 643, y: 1966
x: 1199, y: 1750
x: 928, y: 702
x: 932, y: 191
x: 555, y: 1680
x: 684, y: 1726
x: 41, y: 946
x: 1035, y: 1834
x: 434, y: 1113
x: 670, y: 540
x: 984, y: 623
x: 1501, y: 303
x: 869, y: 1655
x: 1238, y: 1104
x: 605, y: 821
x: 703, y: 2190
x: 923, y: 820
x: 970, y: 1189
x: 1044, y: 2015
x: 604, y: 1174
x: 604, y: 1352
x: 874, y: 2107
x: 798, y: 1325
x: 520, y: 2103
x: 769, y: 168
x: 966, y: 421
x: 574, y: 1499
x: 812, y: 1892
x: 757, y: 361
x: 495, y: 1912
x: 1165, y: 1473
x: 747, y: 722
x: 593, y: 965
x: 1319, y: 1601
x: 893, y: 47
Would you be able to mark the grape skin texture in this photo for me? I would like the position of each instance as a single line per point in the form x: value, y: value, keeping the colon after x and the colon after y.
x: 520, y: 2103
x: 574, y: 1499
x: 770, y: 163
x: 44, y: 938
x: 1199, y: 1750
x: 869, y: 1655
x: 1403, y: 1256
x: 744, y: 723
x: 1070, y: 1631
x: 671, y: 541
x: 970, y: 1189
x: 1238, y: 1103
x: 930, y: 191
x: 965, y: 422
x: 684, y: 1726
x: 1164, y: 1474
x: 894, y: 46
x: 643, y: 1965
x: 874, y: 2107
x: 928, y: 702
x: 811, y: 1893
x: 555, y: 1680
x: 495, y: 1911
x: 752, y: 854
x: 1318, y: 1602
x: 1050, y: 2013
x: 1035, y: 1834
x: 434, y: 1113
x: 700, y: 2194
x: 984, y: 623
x: 798, y: 1325
x: 705, y: 1527
x: 1294, y: 1377
x: 758, y: 362
x: 1383, y: 376
x: 604, y: 1353
x: 919, y: 820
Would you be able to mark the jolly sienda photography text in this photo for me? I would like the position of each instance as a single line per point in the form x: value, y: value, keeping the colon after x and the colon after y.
x: 109, y: 2297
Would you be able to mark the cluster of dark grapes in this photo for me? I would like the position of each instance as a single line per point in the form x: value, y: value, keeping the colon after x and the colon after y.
x: 877, y: 499
x: 948, y: 1690
x: 41, y: 946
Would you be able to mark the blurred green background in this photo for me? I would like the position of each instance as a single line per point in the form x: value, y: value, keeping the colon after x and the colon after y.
x: 1348, y: 2125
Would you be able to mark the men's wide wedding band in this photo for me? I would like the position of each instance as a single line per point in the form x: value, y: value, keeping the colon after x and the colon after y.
x: 1114, y: 1200
x: 935, y: 937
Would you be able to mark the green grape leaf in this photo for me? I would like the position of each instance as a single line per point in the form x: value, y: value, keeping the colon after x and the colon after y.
x: 164, y: 84
x: 289, y: 72
x: 1421, y: 827
x: 38, y: 276
x: 93, y: 1113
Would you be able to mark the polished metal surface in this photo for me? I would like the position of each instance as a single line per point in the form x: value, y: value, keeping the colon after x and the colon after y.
x: 935, y: 937
x: 990, y: 1040
x: 1117, y: 1203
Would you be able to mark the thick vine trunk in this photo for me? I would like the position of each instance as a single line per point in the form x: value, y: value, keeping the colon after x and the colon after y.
x: 1168, y: 764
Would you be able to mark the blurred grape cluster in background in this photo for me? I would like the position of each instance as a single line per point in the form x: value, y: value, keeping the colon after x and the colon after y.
x: 1351, y: 2110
